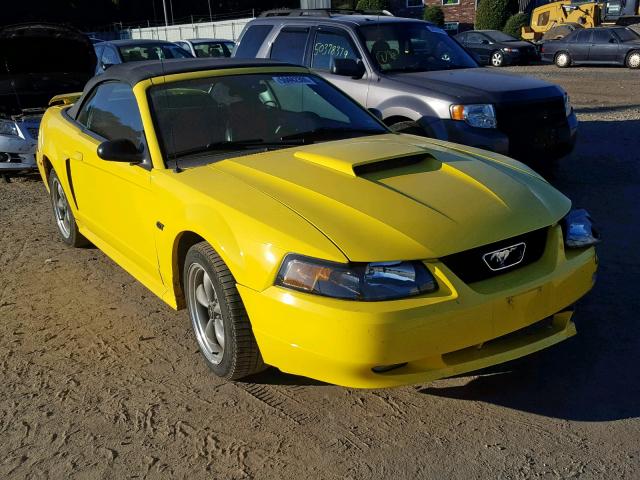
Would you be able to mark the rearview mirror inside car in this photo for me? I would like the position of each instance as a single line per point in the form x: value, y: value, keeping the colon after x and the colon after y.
x: 122, y: 150
x: 348, y: 67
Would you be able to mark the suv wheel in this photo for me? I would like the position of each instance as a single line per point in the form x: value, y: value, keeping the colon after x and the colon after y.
x: 497, y: 59
x: 218, y: 317
x: 563, y: 60
x: 633, y: 60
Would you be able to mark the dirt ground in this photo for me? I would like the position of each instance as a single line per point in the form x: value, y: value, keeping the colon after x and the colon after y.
x: 99, y: 379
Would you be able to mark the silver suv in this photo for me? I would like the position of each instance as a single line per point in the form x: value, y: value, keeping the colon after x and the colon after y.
x: 419, y: 80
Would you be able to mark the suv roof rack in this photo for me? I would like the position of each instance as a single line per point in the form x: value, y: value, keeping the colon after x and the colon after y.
x: 320, y: 12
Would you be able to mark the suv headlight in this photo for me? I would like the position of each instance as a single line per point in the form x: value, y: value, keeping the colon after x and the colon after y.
x: 479, y: 116
x: 356, y: 281
x: 8, y: 127
x: 578, y: 229
x: 567, y: 105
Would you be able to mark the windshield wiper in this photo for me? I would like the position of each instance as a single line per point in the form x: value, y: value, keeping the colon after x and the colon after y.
x: 234, y: 146
x: 324, y: 132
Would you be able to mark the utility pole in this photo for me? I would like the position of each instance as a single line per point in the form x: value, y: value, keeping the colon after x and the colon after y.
x: 210, y: 13
x: 166, y: 19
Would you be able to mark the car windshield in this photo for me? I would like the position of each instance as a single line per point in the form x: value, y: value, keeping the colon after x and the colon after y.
x: 160, y: 51
x: 413, y: 47
x: 202, y: 120
x: 627, y: 35
x: 497, y: 36
x: 211, y: 49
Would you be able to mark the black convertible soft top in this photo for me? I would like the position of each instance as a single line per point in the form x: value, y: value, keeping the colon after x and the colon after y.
x: 135, y: 72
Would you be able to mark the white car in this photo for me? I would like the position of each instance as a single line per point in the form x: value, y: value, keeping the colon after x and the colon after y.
x: 207, y: 47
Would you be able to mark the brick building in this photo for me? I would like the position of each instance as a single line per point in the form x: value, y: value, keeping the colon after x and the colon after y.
x: 459, y: 15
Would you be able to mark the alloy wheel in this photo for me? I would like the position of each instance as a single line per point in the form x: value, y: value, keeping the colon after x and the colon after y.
x: 61, y: 208
x: 206, y: 314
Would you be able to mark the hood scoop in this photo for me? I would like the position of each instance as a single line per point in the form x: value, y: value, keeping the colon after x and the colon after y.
x: 364, y: 157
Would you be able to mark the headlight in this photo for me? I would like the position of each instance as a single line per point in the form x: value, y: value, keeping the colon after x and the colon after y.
x: 578, y: 230
x: 8, y: 127
x: 567, y: 105
x: 356, y: 281
x: 480, y: 116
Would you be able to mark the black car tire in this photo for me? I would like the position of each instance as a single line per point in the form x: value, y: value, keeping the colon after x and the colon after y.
x: 62, y: 214
x: 496, y: 58
x: 562, y: 60
x: 223, y: 318
x: 633, y: 60
x: 410, y: 128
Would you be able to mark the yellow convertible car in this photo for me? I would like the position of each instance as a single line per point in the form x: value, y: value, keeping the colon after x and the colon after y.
x: 300, y: 232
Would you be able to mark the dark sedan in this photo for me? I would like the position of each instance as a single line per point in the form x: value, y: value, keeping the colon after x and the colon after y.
x: 492, y: 47
x: 607, y: 46
x: 122, y: 51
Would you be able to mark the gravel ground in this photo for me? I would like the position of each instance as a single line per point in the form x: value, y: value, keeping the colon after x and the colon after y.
x: 101, y: 380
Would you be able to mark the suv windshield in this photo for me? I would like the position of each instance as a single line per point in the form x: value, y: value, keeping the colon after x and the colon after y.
x: 497, y: 36
x: 161, y: 51
x: 413, y: 47
x: 210, y: 117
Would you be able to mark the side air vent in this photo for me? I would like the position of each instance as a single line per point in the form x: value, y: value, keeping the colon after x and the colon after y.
x: 389, y: 164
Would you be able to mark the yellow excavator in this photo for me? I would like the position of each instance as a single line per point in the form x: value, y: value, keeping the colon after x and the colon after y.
x: 557, y: 19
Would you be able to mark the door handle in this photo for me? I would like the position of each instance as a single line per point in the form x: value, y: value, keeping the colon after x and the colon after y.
x: 76, y: 156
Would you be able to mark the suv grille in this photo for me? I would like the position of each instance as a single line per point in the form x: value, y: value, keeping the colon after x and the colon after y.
x: 532, y: 127
x: 470, y: 265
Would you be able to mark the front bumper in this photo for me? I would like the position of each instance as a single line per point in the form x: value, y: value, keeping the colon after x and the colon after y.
x: 457, y: 329
x: 17, y: 153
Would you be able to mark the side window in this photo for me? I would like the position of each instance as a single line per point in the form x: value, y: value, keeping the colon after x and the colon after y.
x: 601, y: 36
x: 252, y: 41
x: 112, y: 112
x: 329, y: 45
x: 474, y: 38
x: 584, y: 36
x: 109, y: 56
x: 301, y: 97
x: 290, y: 45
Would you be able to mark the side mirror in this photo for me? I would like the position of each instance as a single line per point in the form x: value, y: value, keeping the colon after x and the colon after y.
x: 348, y: 67
x: 106, y: 65
x: 485, y: 42
x: 120, y: 151
x: 376, y: 113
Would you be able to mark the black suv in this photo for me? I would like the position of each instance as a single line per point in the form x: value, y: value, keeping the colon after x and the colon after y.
x: 419, y: 79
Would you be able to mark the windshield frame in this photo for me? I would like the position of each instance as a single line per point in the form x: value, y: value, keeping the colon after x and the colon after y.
x: 375, y: 64
x: 171, y: 162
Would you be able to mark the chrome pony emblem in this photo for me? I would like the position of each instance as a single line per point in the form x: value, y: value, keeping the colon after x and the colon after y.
x: 506, y: 257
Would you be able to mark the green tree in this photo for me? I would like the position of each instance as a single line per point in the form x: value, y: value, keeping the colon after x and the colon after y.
x: 434, y: 14
x: 371, y: 5
x: 515, y: 23
x: 493, y: 14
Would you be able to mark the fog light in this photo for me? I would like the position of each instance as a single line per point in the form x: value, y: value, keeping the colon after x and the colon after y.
x: 387, y: 368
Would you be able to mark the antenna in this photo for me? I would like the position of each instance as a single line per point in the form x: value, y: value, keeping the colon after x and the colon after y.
x: 166, y: 95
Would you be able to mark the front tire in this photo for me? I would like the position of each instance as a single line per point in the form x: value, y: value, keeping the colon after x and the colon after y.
x: 62, y: 214
x: 563, y: 60
x: 497, y: 59
x: 633, y: 60
x: 218, y: 317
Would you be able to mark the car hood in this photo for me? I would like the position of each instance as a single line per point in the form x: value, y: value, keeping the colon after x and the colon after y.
x: 393, y: 197
x: 479, y: 85
x: 39, y: 61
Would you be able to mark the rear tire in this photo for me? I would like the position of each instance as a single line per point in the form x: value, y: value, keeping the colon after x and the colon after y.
x: 563, y: 60
x: 633, y: 60
x: 218, y: 317
x: 62, y: 214
x: 497, y: 58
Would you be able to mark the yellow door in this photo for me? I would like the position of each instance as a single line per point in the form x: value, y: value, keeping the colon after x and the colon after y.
x: 115, y: 201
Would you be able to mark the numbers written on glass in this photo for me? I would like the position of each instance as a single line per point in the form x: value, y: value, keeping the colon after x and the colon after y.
x: 331, y: 49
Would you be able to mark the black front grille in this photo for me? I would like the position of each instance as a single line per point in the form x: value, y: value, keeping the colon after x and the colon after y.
x: 470, y: 267
x: 532, y: 127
